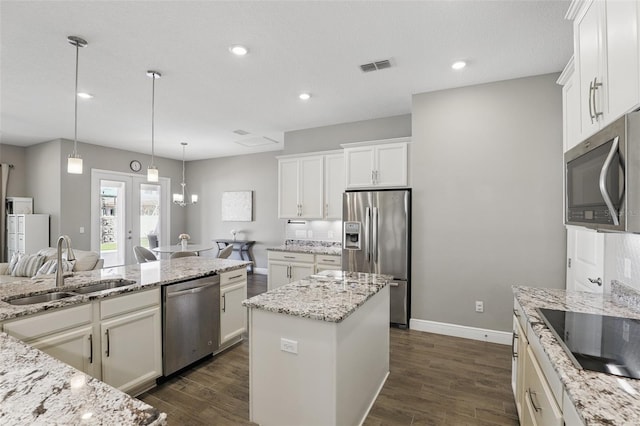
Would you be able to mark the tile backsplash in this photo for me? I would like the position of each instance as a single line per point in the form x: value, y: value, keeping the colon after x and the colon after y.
x: 619, y: 248
x: 320, y: 230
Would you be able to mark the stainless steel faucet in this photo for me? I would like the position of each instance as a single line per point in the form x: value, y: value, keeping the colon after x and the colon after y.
x: 70, y: 257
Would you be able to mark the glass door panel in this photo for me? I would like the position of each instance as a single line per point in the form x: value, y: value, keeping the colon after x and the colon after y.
x: 113, y: 235
x: 150, y: 208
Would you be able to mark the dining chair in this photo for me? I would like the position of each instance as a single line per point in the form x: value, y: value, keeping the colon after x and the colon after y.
x: 143, y: 255
x: 183, y: 254
x: 225, y: 252
x: 153, y: 240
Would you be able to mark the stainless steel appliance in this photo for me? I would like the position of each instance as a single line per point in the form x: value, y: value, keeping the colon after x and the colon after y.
x: 190, y: 322
x: 377, y: 239
x: 601, y: 174
x: 597, y: 342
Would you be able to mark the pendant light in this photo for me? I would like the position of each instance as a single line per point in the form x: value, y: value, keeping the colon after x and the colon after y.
x: 181, y: 199
x: 74, y: 162
x: 152, y: 170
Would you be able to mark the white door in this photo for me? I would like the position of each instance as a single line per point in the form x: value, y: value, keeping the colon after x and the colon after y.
x: 585, y: 260
x: 125, y: 208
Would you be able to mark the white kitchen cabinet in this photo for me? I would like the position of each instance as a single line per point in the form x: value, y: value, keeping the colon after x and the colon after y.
x: 301, y: 187
x: 376, y: 164
x: 286, y: 267
x: 233, y: 316
x: 326, y: 262
x: 607, y: 55
x: 542, y: 407
x: 570, y: 106
x: 518, y: 360
x: 333, y: 185
x: 74, y: 347
x: 27, y: 233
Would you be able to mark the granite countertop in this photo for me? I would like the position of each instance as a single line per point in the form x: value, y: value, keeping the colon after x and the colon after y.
x: 599, y: 398
x: 38, y: 389
x: 329, y: 296
x: 311, y: 247
x: 146, y: 276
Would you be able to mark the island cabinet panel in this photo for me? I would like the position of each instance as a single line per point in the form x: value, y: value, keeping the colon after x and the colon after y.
x: 233, y: 316
x: 326, y: 373
x: 74, y: 347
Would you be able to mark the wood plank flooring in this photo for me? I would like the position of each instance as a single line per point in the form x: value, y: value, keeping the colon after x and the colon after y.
x: 434, y: 380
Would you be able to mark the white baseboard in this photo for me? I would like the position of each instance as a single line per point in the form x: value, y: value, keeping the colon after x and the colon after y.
x: 493, y: 336
x: 260, y: 271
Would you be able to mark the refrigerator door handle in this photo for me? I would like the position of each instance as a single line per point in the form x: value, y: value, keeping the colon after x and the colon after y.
x: 374, y: 244
x: 367, y: 225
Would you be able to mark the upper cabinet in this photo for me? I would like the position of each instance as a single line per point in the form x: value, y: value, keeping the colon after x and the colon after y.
x: 311, y: 186
x: 606, y: 60
x: 570, y: 106
x: 376, y: 164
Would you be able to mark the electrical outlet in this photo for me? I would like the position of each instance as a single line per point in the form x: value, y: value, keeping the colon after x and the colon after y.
x: 627, y: 267
x: 287, y: 345
x: 82, y: 229
x: 479, y: 306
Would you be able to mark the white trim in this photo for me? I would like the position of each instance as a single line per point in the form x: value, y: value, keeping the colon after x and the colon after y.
x: 567, y: 72
x: 309, y: 154
x: 406, y: 139
x: 374, y: 399
x: 260, y: 271
x: 483, y: 334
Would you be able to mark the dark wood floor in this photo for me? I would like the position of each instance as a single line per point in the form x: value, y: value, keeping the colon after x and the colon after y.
x: 434, y: 380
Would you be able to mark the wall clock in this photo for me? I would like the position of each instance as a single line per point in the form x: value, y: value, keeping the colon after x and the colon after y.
x: 135, y: 166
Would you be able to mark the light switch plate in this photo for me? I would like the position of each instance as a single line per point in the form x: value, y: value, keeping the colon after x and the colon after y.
x: 287, y: 345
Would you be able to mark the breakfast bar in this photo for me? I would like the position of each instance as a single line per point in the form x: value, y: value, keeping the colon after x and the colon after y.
x: 324, y: 341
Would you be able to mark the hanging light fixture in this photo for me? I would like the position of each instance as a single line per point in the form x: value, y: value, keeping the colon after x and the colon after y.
x: 152, y: 170
x: 181, y: 199
x: 74, y: 162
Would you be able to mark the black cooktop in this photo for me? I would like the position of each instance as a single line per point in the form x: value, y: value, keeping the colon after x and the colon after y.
x: 597, y: 342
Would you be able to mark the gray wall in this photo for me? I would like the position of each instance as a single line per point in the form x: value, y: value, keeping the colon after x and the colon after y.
x: 487, y: 205
x: 330, y: 137
x: 16, y: 155
x: 210, y: 178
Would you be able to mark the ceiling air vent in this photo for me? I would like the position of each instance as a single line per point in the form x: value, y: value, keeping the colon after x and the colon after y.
x: 376, y: 66
x: 241, y: 132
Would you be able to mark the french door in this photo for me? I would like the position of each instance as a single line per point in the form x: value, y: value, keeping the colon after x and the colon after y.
x: 125, y: 210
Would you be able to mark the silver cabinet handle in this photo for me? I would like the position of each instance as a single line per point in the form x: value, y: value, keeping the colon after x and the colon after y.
x: 289, y: 257
x: 235, y: 276
x: 373, y: 179
x: 394, y: 285
x: 603, y: 181
x: 224, y: 303
x: 533, y: 404
x: 108, y: 343
x: 591, y: 99
x: 91, y: 349
x: 596, y: 281
x: 516, y: 313
x: 596, y: 85
x: 514, y: 353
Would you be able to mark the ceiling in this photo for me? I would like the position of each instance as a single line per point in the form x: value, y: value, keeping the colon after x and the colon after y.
x: 206, y: 93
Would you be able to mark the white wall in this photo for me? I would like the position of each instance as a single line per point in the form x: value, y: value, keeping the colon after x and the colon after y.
x: 617, y: 248
x: 486, y: 166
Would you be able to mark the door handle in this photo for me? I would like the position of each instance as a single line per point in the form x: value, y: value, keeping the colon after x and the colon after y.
x: 596, y: 85
x: 367, y: 254
x: 591, y: 99
x: 91, y: 349
x: 596, y: 281
x: 603, y: 181
x: 375, y: 235
x: 533, y: 404
x: 108, y: 343
x: 224, y: 303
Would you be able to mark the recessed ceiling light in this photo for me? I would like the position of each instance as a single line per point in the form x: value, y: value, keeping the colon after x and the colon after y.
x: 458, y: 65
x: 85, y: 95
x: 305, y: 96
x: 238, y: 50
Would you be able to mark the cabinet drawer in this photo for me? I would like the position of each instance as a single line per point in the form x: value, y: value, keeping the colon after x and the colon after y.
x: 232, y: 277
x: 291, y: 257
x: 548, y: 372
x: 329, y: 259
x: 538, y: 395
x: 129, y: 302
x: 519, y: 314
x: 48, y: 323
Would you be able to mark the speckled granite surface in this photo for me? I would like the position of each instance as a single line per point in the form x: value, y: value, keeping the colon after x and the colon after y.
x: 600, y: 399
x: 145, y: 275
x: 312, y: 247
x: 329, y: 296
x: 36, y: 389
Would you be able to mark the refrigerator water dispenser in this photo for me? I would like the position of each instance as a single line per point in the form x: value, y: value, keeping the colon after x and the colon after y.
x: 352, y: 235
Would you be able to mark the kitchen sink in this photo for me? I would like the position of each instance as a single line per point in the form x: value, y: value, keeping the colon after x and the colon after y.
x: 103, y: 285
x: 41, y: 298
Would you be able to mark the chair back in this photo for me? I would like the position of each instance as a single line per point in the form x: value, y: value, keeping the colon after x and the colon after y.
x: 143, y: 255
x: 182, y: 254
x: 225, y: 252
x: 153, y: 240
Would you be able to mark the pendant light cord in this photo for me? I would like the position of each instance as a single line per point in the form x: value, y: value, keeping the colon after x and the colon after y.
x: 183, y: 182
x: 75, y: 96
x: 153, y: 115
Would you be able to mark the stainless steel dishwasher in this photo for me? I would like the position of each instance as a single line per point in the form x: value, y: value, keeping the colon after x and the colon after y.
x: 190, y: 322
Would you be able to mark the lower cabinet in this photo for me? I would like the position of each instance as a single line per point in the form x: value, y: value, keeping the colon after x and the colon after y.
x: 542, y: 408
x: 233, y: 316
x: 117, y: 340
x: 328, y: 262
x: 286, y: 267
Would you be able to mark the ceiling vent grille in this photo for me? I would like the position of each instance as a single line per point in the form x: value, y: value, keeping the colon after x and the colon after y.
x: 376, y: 66
x: 241, y: 132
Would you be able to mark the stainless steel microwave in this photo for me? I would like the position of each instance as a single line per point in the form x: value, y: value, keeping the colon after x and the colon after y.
x: 602, y: 178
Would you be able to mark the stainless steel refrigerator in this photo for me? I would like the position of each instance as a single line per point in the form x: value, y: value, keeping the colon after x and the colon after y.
x: 377, y: 238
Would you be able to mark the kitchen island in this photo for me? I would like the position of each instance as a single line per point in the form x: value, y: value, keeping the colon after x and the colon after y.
x: 36, y: 388
x: 319, y: 351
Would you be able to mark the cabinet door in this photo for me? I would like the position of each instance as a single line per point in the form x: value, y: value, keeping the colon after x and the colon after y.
x: 588, y: 30
x: 233, y: 316
x: 300, y: 271
x: 132, y: 349
x: 288, y: 188
x: 333, y: 186
x: 74, y: 347
x: 391, y: 168
x: 539, y: 398
x: 571, y: 112
x: 623, y: 69
x: 521, y: 362
x: 311, y: 187
x: 359, y: 167
x: 278, y: 274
